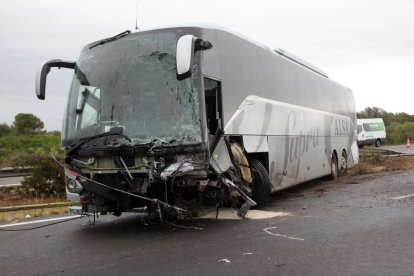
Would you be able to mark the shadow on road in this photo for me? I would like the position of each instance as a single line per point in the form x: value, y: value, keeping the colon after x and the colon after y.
x: 132, y: 224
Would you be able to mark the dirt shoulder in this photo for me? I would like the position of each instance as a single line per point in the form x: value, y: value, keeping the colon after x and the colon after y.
x: 378, y: 163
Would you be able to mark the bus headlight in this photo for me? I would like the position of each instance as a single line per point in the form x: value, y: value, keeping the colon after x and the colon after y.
x: 73, y: 186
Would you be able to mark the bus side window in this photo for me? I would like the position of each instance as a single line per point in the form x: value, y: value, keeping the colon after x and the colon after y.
x: 212, y: 92
x: 359, y: 129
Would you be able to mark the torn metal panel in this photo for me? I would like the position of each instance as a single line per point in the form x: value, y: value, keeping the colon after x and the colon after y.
x: 175, y: 169
x: 220, y: 159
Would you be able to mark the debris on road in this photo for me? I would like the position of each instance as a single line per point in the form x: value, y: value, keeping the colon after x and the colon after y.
x: 224, y: 260
x: 403, y: 197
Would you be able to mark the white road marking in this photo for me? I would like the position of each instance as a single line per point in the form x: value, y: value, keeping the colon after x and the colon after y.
x: 38, y: 221
x: 231, y: 214
x: 267, y: 230
x: 402, y: 197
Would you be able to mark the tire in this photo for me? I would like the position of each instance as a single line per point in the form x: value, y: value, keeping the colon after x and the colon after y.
x: 378, y: 143
x: 261, y: 183
x: 334, y: 166
x: 344, y: 162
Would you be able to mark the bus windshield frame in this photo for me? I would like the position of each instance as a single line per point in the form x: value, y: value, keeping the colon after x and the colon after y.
x: 132, y: 84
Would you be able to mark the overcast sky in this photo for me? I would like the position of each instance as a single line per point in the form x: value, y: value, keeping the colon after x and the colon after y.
x: 367, y: 45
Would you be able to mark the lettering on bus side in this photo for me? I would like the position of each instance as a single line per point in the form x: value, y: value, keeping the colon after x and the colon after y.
x: 297, y: 145
x: 341, y: 127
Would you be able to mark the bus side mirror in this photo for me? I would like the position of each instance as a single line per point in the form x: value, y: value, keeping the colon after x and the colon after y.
x: 184, y: 56
x: 44, y: 69
x: 187, y: 45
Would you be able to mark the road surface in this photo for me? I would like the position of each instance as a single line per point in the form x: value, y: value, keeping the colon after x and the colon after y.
x: 352, y: 226
x: 402, y: 149
x: 11, y: 181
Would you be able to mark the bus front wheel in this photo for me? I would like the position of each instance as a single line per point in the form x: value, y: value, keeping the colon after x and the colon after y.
x: 261, y: 182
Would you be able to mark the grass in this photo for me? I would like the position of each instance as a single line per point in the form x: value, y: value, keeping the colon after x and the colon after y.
x: 15, y: 216
x: 11, y: 199
x: 6, y: 201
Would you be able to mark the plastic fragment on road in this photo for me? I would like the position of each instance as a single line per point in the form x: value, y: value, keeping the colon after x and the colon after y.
x: 224, y: 260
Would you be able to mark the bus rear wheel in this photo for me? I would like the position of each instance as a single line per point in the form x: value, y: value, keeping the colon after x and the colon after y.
x: 378, y: 143
x: 344, y: 162
x: 334, y: 166
x: 261, y: 183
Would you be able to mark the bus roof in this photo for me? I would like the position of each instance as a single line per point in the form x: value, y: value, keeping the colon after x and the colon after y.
x: 210, y: 26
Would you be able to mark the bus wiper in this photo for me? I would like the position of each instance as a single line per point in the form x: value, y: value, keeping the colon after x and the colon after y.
x: 91, y: 138
x: 110, y: 39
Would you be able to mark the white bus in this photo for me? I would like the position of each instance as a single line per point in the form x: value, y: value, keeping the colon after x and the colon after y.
x: 371, y: 132
x: 160, y: 118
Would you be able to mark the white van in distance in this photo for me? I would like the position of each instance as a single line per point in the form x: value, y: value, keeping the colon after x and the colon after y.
x: 371, y: 132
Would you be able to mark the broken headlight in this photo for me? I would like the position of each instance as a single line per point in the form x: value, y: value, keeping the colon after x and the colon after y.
x: 73, y: 186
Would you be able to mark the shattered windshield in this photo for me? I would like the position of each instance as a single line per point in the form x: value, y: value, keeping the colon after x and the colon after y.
x: 131, y: 83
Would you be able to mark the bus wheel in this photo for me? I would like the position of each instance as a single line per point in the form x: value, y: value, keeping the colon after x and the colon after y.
x: 344, y: 162
x: 334, y: 166
x: 261, y: 182
x: 378, y: 143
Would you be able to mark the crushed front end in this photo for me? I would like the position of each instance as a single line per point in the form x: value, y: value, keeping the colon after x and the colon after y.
x: 160, y: 180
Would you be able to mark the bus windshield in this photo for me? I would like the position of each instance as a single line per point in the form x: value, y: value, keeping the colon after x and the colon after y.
x: 131, y: 83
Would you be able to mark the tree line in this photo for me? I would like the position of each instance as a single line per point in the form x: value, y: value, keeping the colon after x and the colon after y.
x: 24, y: 124
x: 399, y: 126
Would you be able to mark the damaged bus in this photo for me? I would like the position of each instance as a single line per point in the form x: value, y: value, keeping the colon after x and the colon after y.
x: 164, y: 119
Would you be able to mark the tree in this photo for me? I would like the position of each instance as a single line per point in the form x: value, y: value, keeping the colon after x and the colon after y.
x: 26, y: 123
x: 371, y: 112
x: 4, y: 130
x: 376, y: 112
x: 395, y: 133
x: 47, y: 178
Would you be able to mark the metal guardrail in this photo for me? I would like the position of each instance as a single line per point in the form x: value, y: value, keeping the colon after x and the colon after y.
x: 17, y: 174
x: 37, y: 206
x: 18, y: 171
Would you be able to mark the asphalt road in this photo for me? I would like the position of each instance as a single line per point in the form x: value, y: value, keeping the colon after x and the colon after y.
x: 357, y: 226
x: 403, y: 149
x: 11, y: 181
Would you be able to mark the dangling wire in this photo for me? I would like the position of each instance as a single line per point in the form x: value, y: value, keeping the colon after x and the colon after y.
x: 42, y: 226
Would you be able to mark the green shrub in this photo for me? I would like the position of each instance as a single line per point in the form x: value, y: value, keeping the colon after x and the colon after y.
x: 47, y: 179
x: 13, y: 146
